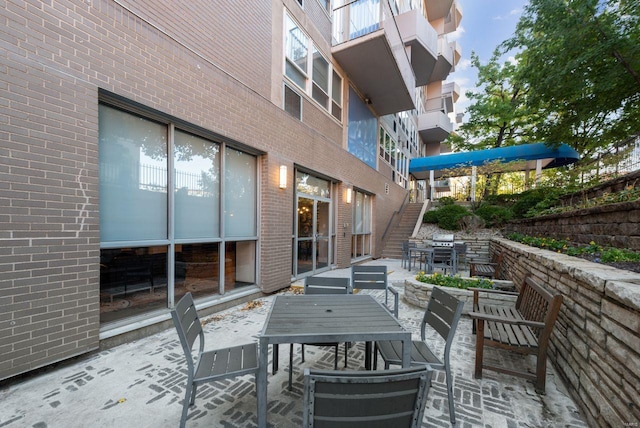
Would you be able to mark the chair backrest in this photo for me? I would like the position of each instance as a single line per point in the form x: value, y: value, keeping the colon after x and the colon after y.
x: 442, y: 254
x: 369, y: 277
x: 187, y: 322
x: 442, y: 314
x: 326, y: 285
x: 383, y: 398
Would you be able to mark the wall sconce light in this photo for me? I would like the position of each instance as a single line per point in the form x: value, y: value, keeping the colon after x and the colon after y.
x: 349, y: 195
x: 283, y: 176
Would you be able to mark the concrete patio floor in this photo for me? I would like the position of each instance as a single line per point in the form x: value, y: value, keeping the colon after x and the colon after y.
x: 141, y: 384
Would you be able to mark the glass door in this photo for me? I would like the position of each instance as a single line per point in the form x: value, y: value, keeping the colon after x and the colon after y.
x: 313, y: 235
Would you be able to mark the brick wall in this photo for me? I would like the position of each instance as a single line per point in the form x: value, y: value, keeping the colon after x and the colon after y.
x: 596, y: 341
x: 212, y: 68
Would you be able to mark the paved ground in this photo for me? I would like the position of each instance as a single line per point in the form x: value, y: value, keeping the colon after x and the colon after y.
x: 141, y: 384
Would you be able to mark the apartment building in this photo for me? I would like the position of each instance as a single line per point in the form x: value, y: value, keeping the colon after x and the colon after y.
x: 223, y: 148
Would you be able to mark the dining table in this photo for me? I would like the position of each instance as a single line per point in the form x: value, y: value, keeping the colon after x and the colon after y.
x: 326, y: 318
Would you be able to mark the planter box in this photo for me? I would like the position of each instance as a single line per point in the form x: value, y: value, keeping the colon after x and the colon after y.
x: 418, y: 293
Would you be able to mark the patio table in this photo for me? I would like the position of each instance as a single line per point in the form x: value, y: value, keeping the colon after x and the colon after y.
x: 325, y: 318
x: 421, y: 252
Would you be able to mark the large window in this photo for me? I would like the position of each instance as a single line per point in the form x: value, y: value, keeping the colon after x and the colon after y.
x: 361, y: 226
x: 362, y: 131
x: 313, y: 74
x: 157, y: 245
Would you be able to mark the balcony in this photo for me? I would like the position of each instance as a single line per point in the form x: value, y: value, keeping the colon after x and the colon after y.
x: 450, y: 94
x: 445, y: 62
x: 452, y: 20
x: 438, y: 9
x: 368, y: 47
x: 434, y: 126
x: 421, y: 40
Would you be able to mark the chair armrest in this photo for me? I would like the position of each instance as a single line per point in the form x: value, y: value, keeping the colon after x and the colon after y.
x: 395, y: 300
x: 487, y: 317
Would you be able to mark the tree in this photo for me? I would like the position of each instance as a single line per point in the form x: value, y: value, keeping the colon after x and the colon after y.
x: 580, y: 61
x: 498, y: 116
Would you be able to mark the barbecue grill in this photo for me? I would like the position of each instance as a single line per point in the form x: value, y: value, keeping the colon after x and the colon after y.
x: 443, y: 240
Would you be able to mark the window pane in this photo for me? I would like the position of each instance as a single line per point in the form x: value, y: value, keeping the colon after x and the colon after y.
x: 197, y: 270
x: 133, y: 177
x: 336, y: 89
x: 239, y: 264
x: 292, y: 102
x: 197, y: 187
x: 362, y: 135
x: 320, y: 96
x: 296, y: 45
x: 240, y: 193
x: 132, y: 281
x: 311, y: 185
x: 320, y: 71
x: 295, y: 75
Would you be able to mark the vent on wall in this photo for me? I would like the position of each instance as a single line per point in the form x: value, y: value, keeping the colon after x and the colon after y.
x: 292, y: 102
x: 386, y: 188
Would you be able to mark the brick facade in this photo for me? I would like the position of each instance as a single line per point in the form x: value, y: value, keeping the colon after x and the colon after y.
x: 219, y: 68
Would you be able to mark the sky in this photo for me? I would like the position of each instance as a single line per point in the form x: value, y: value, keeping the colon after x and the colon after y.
x: 485, y: 24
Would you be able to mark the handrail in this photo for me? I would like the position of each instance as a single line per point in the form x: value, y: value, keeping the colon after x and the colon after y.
x: 393, y: 216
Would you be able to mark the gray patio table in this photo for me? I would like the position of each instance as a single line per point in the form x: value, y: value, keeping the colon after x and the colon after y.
x: 325, y: 318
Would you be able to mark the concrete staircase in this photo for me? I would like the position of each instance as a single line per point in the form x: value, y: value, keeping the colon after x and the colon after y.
x: 402, y: 232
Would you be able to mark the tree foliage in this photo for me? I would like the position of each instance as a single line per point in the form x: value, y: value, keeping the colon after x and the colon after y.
x: 580, y: 61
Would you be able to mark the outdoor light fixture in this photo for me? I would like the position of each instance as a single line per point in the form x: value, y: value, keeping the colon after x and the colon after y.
x: 349, y: 195
x: 283, y: 176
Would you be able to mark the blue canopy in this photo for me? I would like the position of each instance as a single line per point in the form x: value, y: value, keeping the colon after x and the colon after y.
x: 551, y: 157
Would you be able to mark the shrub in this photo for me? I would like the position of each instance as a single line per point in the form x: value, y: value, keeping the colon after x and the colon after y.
x: 453, y: 281
x: 448, y: 217
x: 446, y: 200
x: 529, y: 199
x: 494, y: 216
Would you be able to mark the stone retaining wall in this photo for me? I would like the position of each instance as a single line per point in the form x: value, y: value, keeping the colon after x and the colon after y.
x: 615, y: 225
x: 596, y: 342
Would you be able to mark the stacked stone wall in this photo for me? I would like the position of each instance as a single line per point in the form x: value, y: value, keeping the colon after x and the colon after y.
x: 596, y: 341
x: 614, y: 225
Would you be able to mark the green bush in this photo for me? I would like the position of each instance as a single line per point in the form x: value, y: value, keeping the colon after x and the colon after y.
x: 529, y: 199
x: 493, y: 215
x: 446, y: 200
x: 453, y: 281
x: 447, y: 217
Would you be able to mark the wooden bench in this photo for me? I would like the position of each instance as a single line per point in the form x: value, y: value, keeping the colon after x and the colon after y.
x: 486, y: 269
x: 524, y: 328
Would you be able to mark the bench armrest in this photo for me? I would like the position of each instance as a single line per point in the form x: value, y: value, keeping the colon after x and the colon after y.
x: 492, y: 318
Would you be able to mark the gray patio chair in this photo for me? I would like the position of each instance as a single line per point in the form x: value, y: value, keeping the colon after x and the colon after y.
x: 209, y: 365
x: 393, y: 398
x: 365, y: 277
x: 442, y: 314
x: 322, y: 285
x: 406, y: 255
x: 443, y: 258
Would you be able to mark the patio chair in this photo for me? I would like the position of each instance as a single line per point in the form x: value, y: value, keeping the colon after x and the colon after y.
x: 393, y: 398
x: 322, y: 285
x: 209, y: 365
x: 485, y: 269
x: 443, y: 258
x: 442, y: 314
x: 406, y: 255
x: 374, y: 278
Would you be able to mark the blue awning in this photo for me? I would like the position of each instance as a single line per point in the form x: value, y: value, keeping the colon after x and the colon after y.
x: 526, y: 153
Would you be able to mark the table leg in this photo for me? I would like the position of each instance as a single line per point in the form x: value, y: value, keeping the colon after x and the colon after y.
x: 367, y: 355
x: 261, y: 383
x: 276, y: 356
